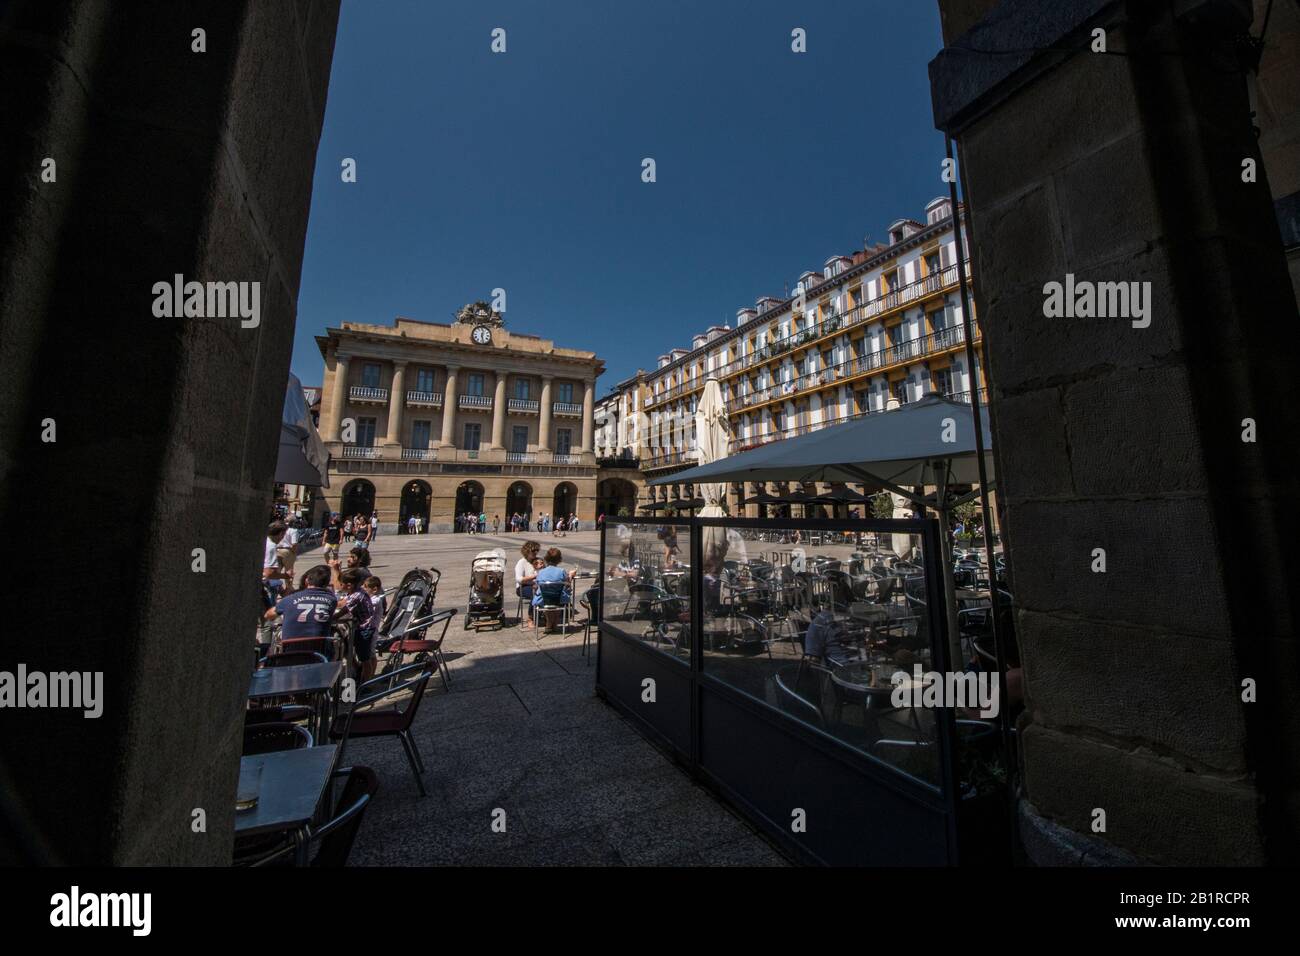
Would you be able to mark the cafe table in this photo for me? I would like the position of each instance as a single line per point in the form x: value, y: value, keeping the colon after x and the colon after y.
x: 290, y: 787
x: 314, y: 679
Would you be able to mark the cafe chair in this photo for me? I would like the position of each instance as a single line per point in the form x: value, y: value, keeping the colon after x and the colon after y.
x: 591, y: 602
x: 553, y: 599
x: 525, y: 594
x: 328, y: 647
x: 265, y: 738
x: 364, y: 719
x: 414, y: 640
x: 795, y: 686
x: 294, y: 659
x: 277, y: 713
x: 333, y: 839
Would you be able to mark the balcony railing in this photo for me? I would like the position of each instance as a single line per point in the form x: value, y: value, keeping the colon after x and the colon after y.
x: 670, y: 458
x: 360, y: 451
x: 523, y: 405
x: 365, y: 393
x: 520, y: 457
x: 566, y: 408
x: 475, y: 401
x: 424, y: 398
x: 566, y: 459
x: 618, y: 461
x: 737, y: 445
x: 832, y: 325
x: 419, y: 454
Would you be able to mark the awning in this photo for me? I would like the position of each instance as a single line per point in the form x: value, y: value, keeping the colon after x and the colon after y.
x: 928, y: 442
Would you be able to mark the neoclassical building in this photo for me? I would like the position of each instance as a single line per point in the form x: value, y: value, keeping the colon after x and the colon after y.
x: 434, y: 420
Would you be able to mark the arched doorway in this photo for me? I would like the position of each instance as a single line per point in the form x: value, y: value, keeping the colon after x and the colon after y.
x: 565, y: 501
x: 358, y: 498
x: 415, y: 504
x: 469, y: 499
x: 613, y: 495
x: 519, y: 500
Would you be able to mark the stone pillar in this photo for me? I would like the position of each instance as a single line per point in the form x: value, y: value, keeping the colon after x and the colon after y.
x: 338, y: 398
x: 449, y: 408
x: 544, y: 423
x: 167, y: 162
x: 499, y: 413
x: 1120, y: 438
x: 588, y: 416
x: 396, y: 401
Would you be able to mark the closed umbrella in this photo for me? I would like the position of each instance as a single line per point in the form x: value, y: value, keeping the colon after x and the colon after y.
x: 712, y: 435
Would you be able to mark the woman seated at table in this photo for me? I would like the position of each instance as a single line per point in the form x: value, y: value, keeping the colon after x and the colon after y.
x: 526, y: 575
x: 552, y: 573
x: 628, y: 566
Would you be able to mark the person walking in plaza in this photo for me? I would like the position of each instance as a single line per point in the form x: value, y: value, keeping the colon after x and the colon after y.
x: 482, y: 522
x: 573, y: 522
x: 333, y: 536
x: 278, y: 581
x: 347, y: 529
x: 496, y: 524
x: 374, y: 527
x: 361, y: 533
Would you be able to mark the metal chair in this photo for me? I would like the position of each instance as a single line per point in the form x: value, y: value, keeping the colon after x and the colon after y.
x: 553, y: 598
x: 362, y: 720
x: 412, y: 641
x: 265, y: 738
x: 335, y: 838
x: 592, y: 601
x: 294, y: 659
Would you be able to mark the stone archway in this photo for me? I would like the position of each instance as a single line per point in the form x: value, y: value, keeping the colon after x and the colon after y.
x: 564, y: 502
x: 358, y: 498
x: 519, y: 500
x: 469, y: 499
x: 613, y: 495
x: 414, y: 504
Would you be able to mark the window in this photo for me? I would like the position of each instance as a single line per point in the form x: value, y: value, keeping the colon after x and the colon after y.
x: 564, y: 393
x: 474, y: 386
x: 932, y: 264
x: 519, y: 439
x: 366, y: 432
x: 424, y: 380
x: 898, y: 390
x: 473, y: 433
x: 864, y: 400
x: 563, y: 440
x: 941, y: 380
x: 420, y: 432
x: 523, y: 389
x: 370, y: 375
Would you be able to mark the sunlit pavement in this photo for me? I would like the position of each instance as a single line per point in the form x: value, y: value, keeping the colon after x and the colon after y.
x: 522, y: 731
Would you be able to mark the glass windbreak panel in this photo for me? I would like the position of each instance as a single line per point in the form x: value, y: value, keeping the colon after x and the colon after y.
x: 829, y: 627
x: 647, y: 594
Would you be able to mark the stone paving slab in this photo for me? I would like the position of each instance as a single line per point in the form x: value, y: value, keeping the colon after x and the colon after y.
x: 521, y: 730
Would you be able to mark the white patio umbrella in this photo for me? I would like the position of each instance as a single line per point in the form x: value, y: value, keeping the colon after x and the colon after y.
x: 712, y: 436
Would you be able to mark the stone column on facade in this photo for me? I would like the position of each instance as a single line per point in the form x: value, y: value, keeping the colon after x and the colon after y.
x: 499, y: 413
x: 396, y: 400
x: 589, y: 415
x: 449, y: 408
x: 544, y: 425
x: 338, y: 398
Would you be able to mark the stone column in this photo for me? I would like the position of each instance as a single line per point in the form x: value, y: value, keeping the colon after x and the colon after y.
x: 449, y: 408
x: 499, y: 413
x: 396, y: 400
x: 1150, y: 547
x: 338, y: 397
x: 588, y: 416
x: 544, y: 425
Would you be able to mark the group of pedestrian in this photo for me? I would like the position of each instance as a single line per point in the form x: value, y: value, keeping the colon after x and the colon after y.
x: 415, y: 524
x: 470, y: 523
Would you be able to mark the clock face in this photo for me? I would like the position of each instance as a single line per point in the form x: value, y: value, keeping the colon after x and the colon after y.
x: 482, y: 334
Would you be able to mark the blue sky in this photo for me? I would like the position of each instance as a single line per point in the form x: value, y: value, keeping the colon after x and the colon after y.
x: 522, y: 170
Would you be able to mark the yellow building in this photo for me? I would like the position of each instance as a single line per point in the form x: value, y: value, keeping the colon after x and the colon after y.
x: 863, y: 334
x: 436, y: 420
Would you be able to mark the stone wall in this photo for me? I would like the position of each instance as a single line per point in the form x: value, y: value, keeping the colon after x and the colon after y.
x: 169, y: 161
x: 1128, y: 168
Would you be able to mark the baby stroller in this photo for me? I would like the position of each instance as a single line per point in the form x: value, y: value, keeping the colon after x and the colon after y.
x: 486, y: 596
x: 410, y: 626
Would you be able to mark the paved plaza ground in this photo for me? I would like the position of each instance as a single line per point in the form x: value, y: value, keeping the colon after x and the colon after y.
x: 522, y: 730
